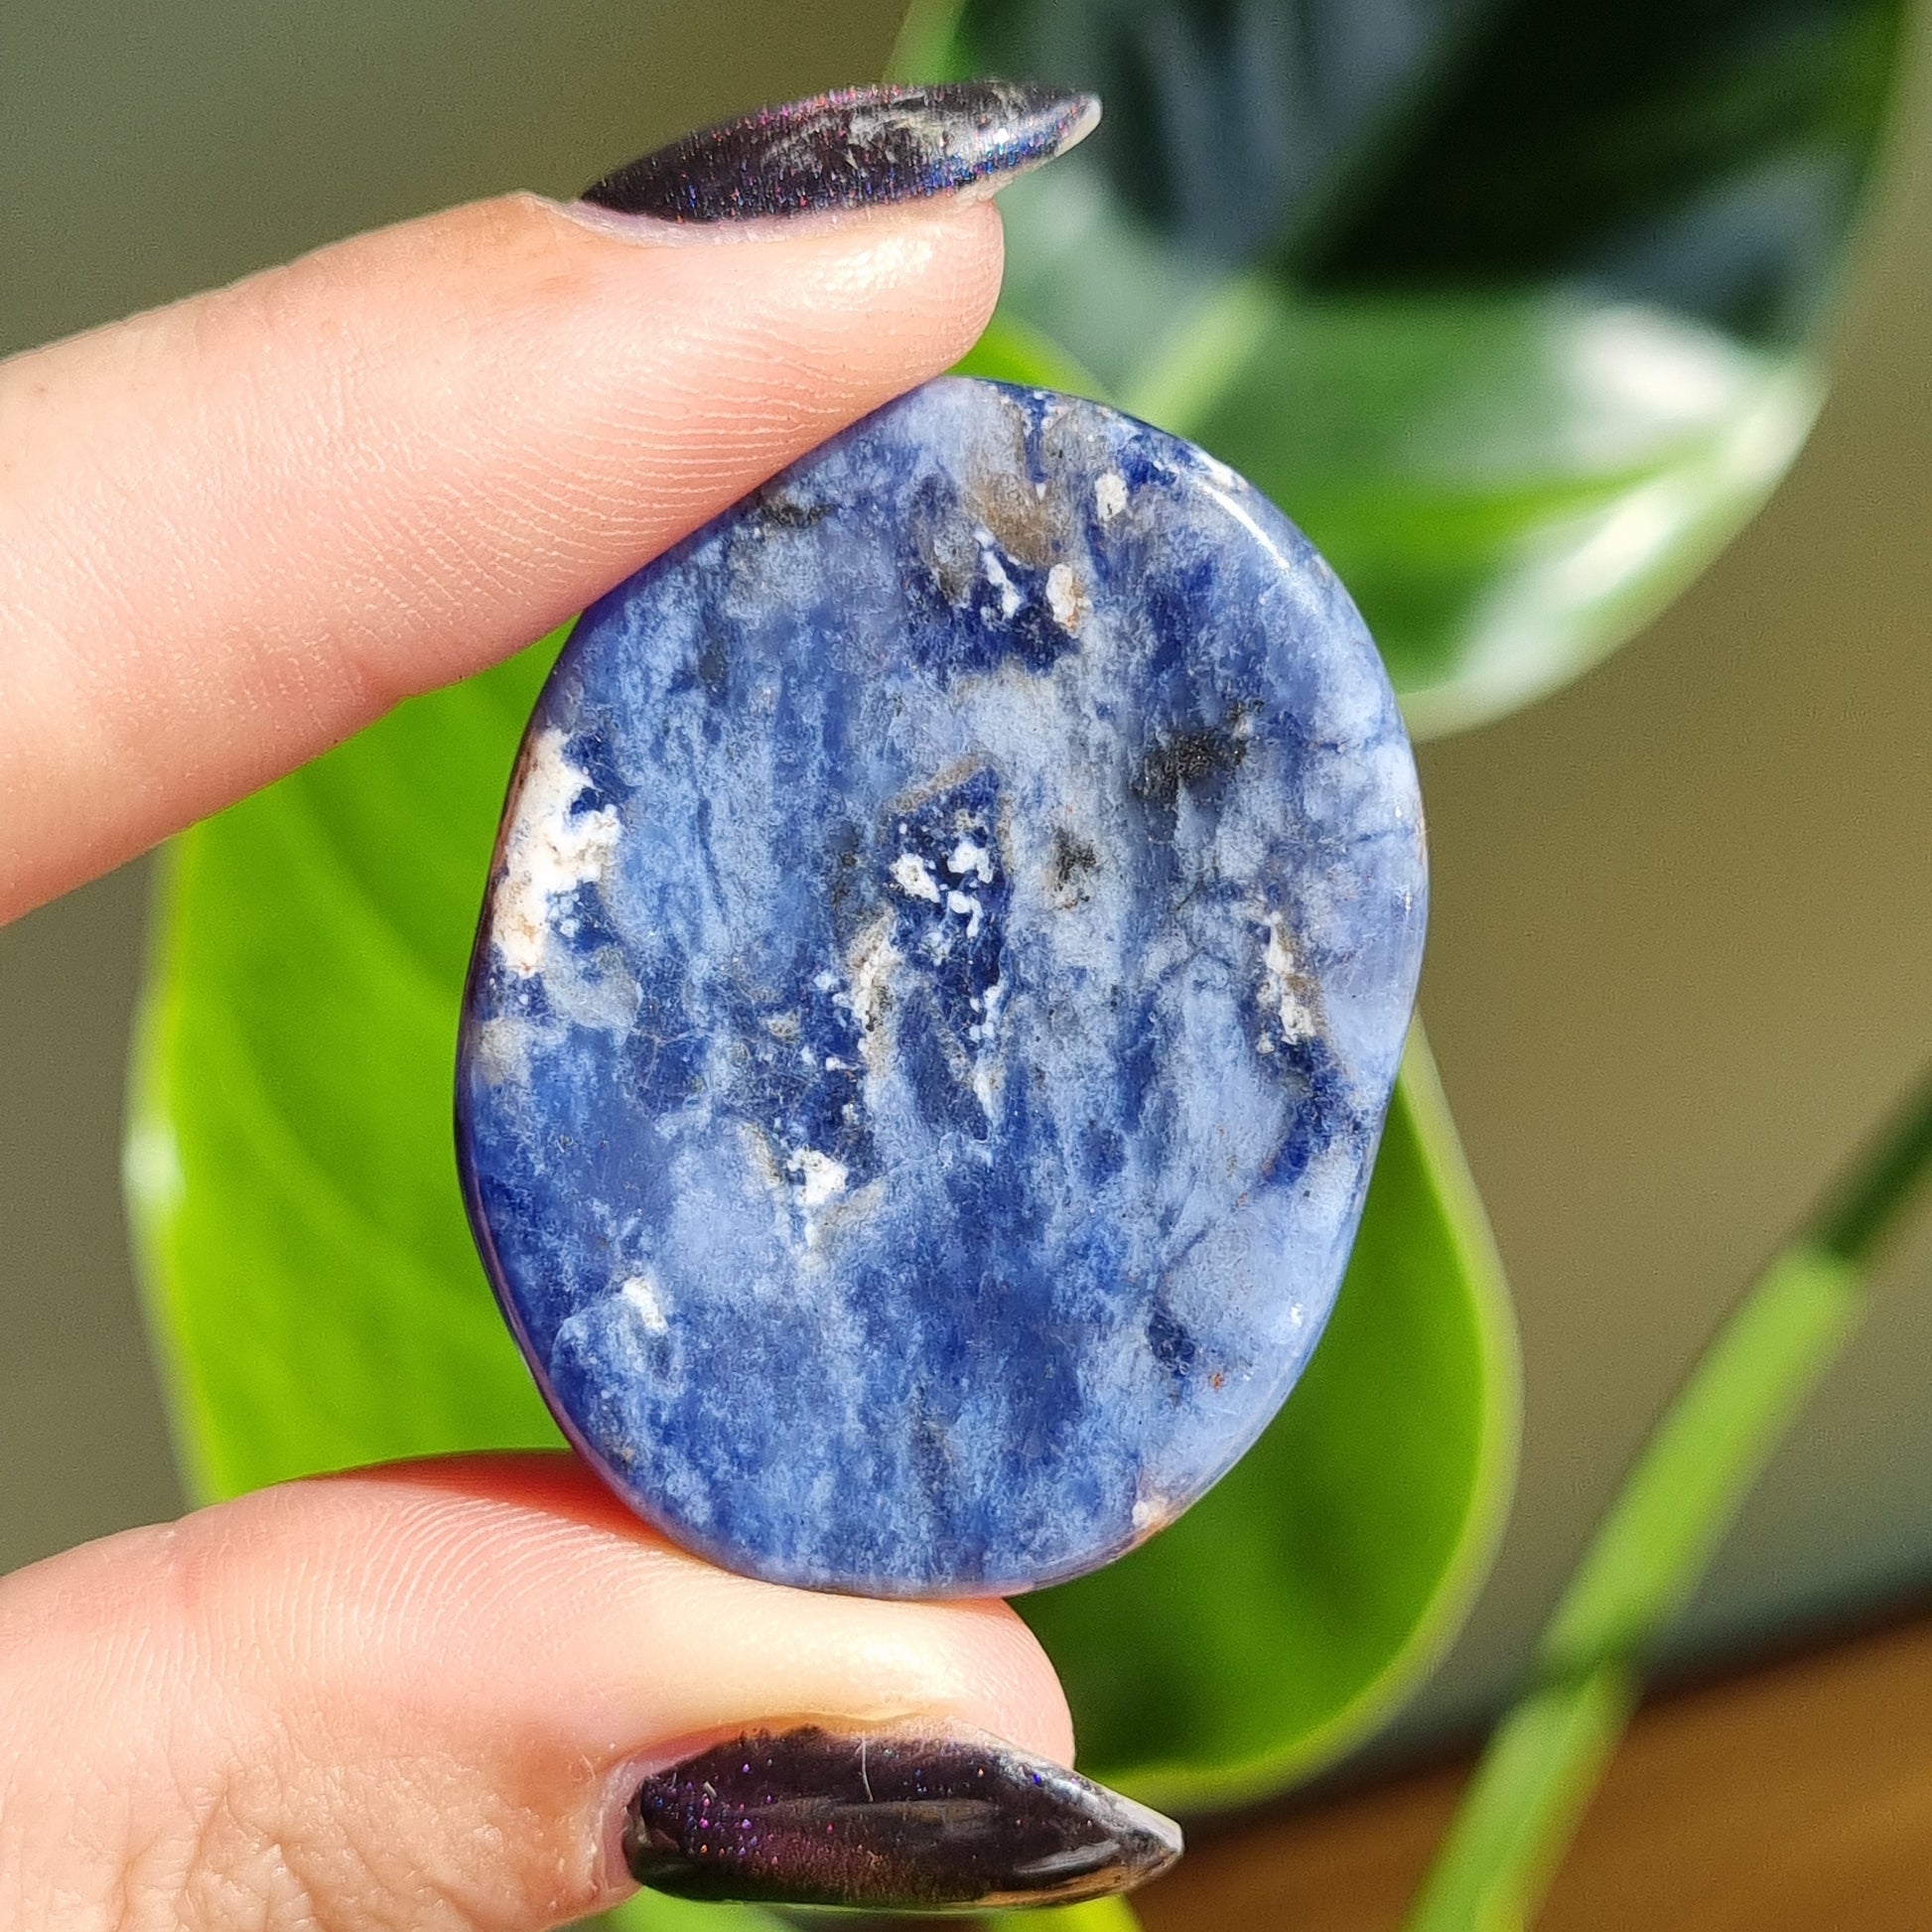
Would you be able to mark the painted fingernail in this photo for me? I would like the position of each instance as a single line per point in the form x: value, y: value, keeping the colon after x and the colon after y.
x: 889, y: 1821
x: 864, y: 147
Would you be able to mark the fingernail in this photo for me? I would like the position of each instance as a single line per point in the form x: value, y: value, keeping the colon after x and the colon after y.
x: 861, y: 148
x: 890, y: 1821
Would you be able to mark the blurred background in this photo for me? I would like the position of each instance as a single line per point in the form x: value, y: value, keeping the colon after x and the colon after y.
x: 1678, y: 958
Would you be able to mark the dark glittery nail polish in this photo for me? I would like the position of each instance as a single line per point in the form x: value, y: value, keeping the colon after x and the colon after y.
x: 890, y: 1821
x: 864, y: 147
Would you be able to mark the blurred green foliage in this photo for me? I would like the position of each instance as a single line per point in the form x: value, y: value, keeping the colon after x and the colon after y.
x: 1508, y: 305
x: 651, y: 1911
x: 1521, y: 1808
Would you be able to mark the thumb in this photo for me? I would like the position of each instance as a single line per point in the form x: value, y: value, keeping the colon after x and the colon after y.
x: 457, y: 1694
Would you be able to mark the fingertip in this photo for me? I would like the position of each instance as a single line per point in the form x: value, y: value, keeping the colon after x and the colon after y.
x: 250, y: 523
x: 973, y: 1660
x: 526, y: 1570
x: 1022, y: 1680
x: 482, y: 1651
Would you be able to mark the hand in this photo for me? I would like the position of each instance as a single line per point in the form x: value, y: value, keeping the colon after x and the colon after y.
x: 231, y: 533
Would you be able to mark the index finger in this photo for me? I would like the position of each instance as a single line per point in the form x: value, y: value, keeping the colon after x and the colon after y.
x: 235, y: 530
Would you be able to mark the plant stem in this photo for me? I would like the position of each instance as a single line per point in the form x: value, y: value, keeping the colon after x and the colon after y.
x: 1867, y: 1203
x: 1544, y: 1760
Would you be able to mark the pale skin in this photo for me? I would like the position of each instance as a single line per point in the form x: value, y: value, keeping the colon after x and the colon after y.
x: 231, y: 533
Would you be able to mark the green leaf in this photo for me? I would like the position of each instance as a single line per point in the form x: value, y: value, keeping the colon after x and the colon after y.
x: 656, y: 1912
x: 1096, y: 1915
x: 311, y: 1279
x: 1008, y: 351
x: 1521, y: 1808
x: 1533, y: 479
x: 652, y: 1911
x: 319, y: 1304
x: 1648, y: 1554
x: 1285, y: 1614
x: 1506, y: 305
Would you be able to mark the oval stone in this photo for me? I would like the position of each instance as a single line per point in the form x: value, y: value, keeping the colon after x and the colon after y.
x: 946, y: 960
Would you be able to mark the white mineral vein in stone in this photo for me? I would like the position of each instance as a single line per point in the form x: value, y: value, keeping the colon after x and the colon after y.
x: 504, y: 1046
x: 1109, y: 494
x: 821, y: 1179
x: 550, y: 853
x: 970, y: 856
x: 1010, y: 598
x: 988, y: 1078
x: 870, y: 975
x: 646, y: 1301
x: 912, y: 875
x: 1065, y: 597
x: 1298, y: 1023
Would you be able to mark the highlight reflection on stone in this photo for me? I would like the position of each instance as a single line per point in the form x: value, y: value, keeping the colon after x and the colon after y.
x: 947, y: 961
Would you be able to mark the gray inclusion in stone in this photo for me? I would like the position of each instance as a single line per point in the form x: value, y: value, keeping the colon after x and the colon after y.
x: 943, y: 973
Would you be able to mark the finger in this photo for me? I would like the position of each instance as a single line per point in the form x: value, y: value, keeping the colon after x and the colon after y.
x: 235, y: 530
x: 421, y: 1696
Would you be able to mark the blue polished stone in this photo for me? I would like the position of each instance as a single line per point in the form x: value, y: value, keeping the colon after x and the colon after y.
x: 947, y: 958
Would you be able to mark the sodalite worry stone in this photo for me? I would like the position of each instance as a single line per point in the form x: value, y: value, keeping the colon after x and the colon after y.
x: 948, y: 953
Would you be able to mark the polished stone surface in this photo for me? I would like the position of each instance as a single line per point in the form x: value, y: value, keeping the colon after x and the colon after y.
x: 944, y: 969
